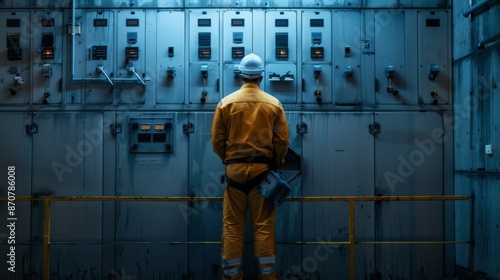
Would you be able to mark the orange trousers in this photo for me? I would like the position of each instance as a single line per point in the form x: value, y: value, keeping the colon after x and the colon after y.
x: 262, y: 214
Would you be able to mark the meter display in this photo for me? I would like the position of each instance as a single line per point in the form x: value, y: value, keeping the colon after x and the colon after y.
x: 132, y: 52
x: 151, y: 135
x: 281, y: 45
x: 132, y: 22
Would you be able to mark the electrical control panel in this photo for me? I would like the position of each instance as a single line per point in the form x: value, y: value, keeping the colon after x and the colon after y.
x: 153, y: 135
x: 94, y: 51
x: 170, y: 66
x: 47, y: 42
x: 434, y: 73
x: 281, y: 55
x: 281, y: 36
x: 204, y: 46
x: 391, y: 72
x: 14, y: 65
x: 204, y: 36
x: 124, y: 56
x: 316, y: 57
x: 347, y: 80
x: 130, y: 75
x: 237, y: 35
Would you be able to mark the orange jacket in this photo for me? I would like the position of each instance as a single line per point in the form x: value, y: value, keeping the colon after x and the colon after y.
x: 249, y: 122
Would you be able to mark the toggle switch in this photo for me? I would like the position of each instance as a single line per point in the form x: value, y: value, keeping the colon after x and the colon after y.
x: 434, y: 71
x: 47, y: 70
x: 18, y: 80
x: 347, y: 72
x: 170, y: 71
x: 317, y: 71
x: 204, y: 70
x: 389, y: 72
x: 236, y: 71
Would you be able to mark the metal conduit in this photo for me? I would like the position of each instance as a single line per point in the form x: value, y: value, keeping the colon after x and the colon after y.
x: 478, y: 6
x: 351, y: 199
x: 493, y: 39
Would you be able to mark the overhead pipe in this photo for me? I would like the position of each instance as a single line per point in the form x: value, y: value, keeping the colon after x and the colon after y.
x: 478, y: 6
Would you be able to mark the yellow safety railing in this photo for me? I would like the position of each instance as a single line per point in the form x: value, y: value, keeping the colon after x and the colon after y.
x: 351, y: 199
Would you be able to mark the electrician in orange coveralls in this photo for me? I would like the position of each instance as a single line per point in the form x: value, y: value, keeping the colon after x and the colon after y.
x: 250, y: 134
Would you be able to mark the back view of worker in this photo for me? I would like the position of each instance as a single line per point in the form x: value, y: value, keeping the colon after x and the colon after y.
x: 250, y: 134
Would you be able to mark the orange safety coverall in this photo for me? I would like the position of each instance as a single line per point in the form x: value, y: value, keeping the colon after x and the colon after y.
x: 248, y: 123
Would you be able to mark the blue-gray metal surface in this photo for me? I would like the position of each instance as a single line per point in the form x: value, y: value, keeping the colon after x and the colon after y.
x: 476, y: 75
x: 478, y: 220
x: 50, y: 4
x: 336, y: 165
x: 77, y: 152
x: 409, y: 161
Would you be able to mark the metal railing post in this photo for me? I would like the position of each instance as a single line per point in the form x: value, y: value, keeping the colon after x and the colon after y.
x: 46, y: 239
x: 351, y: 239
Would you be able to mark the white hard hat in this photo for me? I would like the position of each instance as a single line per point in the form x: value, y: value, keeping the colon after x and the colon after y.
x: 251, y: 66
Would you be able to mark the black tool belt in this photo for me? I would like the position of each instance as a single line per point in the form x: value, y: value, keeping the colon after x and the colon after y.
x: 248, y: 186
x: 258, y: 159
